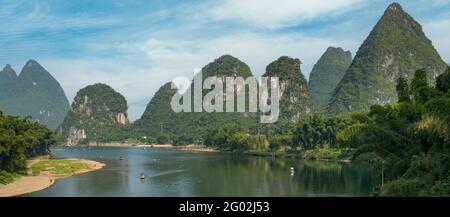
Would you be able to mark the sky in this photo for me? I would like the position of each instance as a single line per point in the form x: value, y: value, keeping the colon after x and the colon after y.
x: 136, y: 46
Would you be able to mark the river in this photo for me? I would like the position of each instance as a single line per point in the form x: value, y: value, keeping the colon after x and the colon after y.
x: 184, y: 173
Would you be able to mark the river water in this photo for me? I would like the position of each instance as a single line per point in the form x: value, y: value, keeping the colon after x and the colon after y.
x: 184, y: 173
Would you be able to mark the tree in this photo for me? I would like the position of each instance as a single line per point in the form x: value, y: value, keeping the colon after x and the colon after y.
x: 423, y: 94
x: 402, y: 89
x: 21, y: 139
x: 162, y: 139
x: 412, y: 139
x: 419, y: 80
x: 443, y: 81
x: 318, y: 131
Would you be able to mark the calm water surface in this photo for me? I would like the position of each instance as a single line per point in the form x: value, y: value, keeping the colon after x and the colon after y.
x: 182, y: 173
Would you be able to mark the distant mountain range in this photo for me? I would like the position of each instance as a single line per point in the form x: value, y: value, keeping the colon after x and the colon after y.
x: 33, y: 93
x: 159, y: 116
x: 395, y: 47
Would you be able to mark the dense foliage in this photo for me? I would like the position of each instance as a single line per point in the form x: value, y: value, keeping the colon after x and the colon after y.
x: 98, y: 111
x: 319, y: 131
x: 395, y: 47
x: 159, y: 120
x: 326, y: 74
x: 235, y: 138
x: 21, y: 139
x: 295, y: 102
x: 411, y: 139
x: 312, y: 133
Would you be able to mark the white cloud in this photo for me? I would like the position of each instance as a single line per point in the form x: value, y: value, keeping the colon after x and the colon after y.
x: 31, y: 16
x: 276, y: 13
x: 141, y: 68
x: 257, y: 50
x: 135, y: 81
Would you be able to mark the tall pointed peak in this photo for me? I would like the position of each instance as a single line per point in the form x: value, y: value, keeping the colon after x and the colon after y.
x: 32, y: 69
x: 396, y: 46
x: 397, y: 14
x: 395, y: 7
x: 9, y: 71
x: 7, y: 67
x: 32, y: 63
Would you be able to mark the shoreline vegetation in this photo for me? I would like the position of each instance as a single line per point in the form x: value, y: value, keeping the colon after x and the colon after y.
x: 191, y: 147
x: 321, y: 154
x: 43, y: 172
x: 406, y: 143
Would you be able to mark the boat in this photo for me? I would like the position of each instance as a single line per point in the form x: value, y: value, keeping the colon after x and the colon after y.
x: 142, y: 176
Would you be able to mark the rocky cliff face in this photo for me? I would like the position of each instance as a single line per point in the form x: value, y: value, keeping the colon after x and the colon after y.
x: 33, y: 93
x: 295, y: 102
x: 326, y: 74
x: 98, y: 112
x: 395, y: 47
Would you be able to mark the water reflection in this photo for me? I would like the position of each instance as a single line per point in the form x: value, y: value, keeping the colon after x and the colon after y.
x: 179, y: 173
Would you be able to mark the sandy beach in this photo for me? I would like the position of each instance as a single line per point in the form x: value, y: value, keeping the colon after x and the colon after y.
x: 30, y: 183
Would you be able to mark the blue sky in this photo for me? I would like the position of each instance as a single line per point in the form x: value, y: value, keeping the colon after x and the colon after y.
x: 135, y: 46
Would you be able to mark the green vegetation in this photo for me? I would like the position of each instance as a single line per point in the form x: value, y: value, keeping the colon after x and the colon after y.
x: 8, y: 177
x: 407, y: 142
x: 332, y: 154
x: 33, y: 93
x: 159, y: 121
x: 295, y: 103
x: 58, y: 168
x: 98, y: 114
x: 326, y: 74
x: 311, y: 138
x: 410, y: 140
x: 166, y: 126
x: 21, y: 139
x: 8, y: 79
x: 395, y: 47
x: 319, y: 131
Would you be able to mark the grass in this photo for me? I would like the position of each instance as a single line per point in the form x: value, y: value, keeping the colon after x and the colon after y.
x: 8, y: 177
x: 322, y: 154
x: 331, y: 154
x: 58, y: 168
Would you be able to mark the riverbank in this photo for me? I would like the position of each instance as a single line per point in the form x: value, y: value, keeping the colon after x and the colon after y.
x: 193, y: 148
x: 320, y: 154
x: 43, y: 172
x: 196, y: 148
